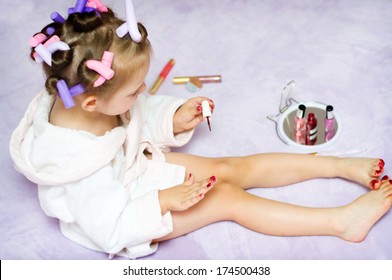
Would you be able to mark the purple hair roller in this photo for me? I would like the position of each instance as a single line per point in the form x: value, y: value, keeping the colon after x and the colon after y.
x: 77, y: 89
x: 50, y: 31
x: 66, y: 93
x: 80, y: 7
x: 86, y: 10
x: 56, y: 17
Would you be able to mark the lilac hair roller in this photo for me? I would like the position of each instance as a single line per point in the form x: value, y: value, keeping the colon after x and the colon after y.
x: 45, y: 53
x: 77, y: 89
x: 131, y: 24
x: 52, y: 39
x: 56, y: 17
x: 66, y: 93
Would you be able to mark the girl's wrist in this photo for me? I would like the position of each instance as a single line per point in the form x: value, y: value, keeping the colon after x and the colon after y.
x: 176, y: 128
x: 162, y: 203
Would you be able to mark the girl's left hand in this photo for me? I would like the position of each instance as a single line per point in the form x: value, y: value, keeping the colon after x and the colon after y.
x: 189, y: 115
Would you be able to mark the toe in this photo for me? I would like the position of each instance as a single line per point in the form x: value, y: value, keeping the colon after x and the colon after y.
x: 378, y: 168
x: 375, y: 184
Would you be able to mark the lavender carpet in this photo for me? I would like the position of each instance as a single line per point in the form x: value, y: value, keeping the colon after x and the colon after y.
x: 338, y: 52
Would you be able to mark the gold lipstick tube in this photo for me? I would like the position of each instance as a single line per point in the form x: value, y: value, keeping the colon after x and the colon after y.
x: 203, y: 79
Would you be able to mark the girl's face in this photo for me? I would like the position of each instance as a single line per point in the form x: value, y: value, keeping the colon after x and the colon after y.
x: 125, y: 97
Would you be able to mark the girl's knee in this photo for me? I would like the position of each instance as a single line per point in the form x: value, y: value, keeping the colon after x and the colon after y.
x: 227, y: 169
x: 229, y: 196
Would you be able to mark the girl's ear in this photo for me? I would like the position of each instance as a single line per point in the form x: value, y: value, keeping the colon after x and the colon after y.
x: 90, y: 103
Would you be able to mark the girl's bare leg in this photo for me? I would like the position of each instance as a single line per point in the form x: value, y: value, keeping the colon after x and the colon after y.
x: 278, y: 169
x: 351, y: 222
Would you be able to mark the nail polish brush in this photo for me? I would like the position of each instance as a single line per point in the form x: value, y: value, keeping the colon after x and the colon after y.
x: 205, y: 106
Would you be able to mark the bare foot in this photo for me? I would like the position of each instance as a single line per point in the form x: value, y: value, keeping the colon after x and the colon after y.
x: 364, y: 171
x: 360, y: 215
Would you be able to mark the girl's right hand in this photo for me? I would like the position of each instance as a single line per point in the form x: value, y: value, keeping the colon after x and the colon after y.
x: 184, y: 196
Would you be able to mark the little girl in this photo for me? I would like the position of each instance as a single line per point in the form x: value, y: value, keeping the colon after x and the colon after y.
x: 99, y: 151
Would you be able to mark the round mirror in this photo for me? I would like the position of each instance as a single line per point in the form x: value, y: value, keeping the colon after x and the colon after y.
x: 314, y: 138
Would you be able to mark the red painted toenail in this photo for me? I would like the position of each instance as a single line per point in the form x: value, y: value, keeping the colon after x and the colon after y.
x: 373, y: 183
x: 213, y: 179
x: 209, y: 185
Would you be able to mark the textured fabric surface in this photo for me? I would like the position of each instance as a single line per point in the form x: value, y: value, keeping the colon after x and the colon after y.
x: 338, y: 52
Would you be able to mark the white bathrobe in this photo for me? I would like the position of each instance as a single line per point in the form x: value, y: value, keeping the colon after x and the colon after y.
x: 103, y: 189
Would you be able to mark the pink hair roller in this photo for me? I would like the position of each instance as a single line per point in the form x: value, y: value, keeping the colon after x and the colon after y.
x: 37, y: 39
x: 131, y: 24
x: 97, y: 4
x: 103, y: 68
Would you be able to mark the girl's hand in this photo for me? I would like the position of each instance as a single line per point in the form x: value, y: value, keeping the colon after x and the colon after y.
x: 182, y: 197
x: 189, y: 115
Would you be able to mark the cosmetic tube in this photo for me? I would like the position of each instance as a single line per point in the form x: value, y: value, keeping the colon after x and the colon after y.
x: 162, y: 76
x: 203, y: 79
x: 206, y: 111
x: 300, y: 125
x: 311, y: 130
x: 329, y: 123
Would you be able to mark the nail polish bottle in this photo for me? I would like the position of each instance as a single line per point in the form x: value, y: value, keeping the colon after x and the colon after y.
x: 300, y: 125
x: 311, y: 130
x: 329, y: 123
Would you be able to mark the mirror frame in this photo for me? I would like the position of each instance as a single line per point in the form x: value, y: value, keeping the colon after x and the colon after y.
x: 310, y: 148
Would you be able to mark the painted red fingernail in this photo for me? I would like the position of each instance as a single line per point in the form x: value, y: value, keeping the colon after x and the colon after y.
x: 381, y: 163
x: 390, y: 182
x: 198, y: 108
x: 213, y: 179
x: 373, y: 183
x: 386, y: 177
x: 209, y: 185
x: 190, y: 175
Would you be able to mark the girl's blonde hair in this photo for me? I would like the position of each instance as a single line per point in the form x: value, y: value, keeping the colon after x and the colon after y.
x: 89, y: 35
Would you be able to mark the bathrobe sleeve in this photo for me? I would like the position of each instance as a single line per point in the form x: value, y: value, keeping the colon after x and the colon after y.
x: 99, y: 213
x: 158, y: 112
